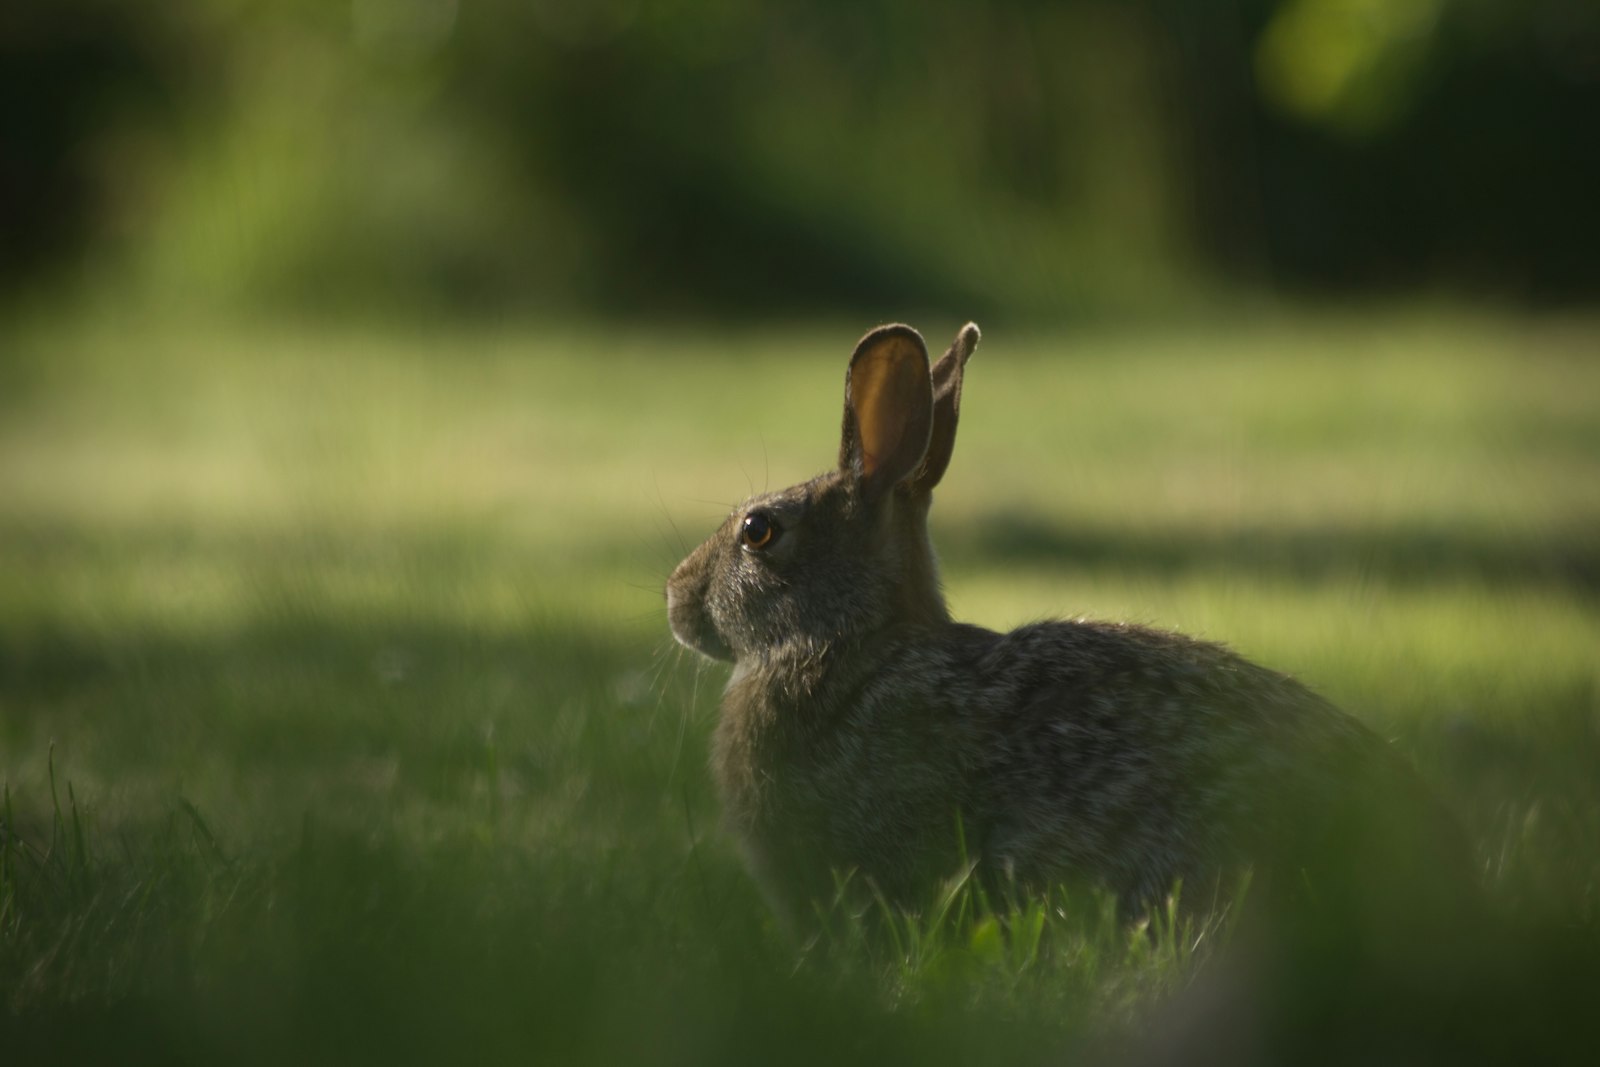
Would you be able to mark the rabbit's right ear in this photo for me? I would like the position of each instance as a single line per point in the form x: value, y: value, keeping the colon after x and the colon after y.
x: 947, y: 375
x: 888, y: 409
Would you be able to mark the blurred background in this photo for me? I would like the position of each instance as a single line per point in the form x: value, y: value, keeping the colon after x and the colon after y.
x: 708, y: 159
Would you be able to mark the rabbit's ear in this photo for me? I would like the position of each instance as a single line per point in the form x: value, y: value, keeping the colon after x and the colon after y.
x: 947, y: 374
x: 888, y: 409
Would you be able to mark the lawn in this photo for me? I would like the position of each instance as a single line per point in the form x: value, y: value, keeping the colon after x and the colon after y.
x: 339, y: 720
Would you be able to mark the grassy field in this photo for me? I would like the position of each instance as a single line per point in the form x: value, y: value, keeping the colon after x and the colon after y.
x: 339, y: 719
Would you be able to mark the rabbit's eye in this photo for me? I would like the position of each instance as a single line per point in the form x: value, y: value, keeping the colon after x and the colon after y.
x: 759, y: 531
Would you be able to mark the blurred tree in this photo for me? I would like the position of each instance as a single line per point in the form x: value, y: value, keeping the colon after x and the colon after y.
x: 717, y: 157
x: 1455, y: 140
x: 738, y: 157
x: 85, y: 88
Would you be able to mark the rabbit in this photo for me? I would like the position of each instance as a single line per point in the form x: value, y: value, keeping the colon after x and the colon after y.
x: 865, y: 732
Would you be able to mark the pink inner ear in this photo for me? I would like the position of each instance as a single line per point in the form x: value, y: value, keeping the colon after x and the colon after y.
x: 877, y: 412
x: 891, y: 395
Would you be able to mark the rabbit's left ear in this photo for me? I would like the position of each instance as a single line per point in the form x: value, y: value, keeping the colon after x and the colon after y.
x: 888, y: 409
x: 947, y: 374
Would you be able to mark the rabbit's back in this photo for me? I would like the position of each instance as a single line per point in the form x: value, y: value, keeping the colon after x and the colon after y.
x: 1061, y: 752
x: 1142, y: 757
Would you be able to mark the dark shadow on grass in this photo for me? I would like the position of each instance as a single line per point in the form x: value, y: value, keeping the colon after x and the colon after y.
x: 370, y: 716
x: 371, y: 945
x: 1399, y: 555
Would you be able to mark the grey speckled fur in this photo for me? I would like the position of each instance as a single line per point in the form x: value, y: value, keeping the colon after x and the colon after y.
x: 861, y: 723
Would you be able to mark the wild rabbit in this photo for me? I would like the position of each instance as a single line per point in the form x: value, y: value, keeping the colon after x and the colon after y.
x: 864, y: 731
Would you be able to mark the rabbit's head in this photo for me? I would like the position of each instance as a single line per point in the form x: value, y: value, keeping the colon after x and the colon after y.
x: 846, y: 553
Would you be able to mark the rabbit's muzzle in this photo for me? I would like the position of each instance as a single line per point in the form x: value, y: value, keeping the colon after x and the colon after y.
x: 687, y: 611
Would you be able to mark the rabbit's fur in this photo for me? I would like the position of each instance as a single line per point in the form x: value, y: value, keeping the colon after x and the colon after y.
x: 864, y: 731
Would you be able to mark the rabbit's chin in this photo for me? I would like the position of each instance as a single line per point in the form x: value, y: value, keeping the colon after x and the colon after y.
x: 717, y: 651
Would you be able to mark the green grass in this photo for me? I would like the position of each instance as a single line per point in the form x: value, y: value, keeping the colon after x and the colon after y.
x: 339, y: 720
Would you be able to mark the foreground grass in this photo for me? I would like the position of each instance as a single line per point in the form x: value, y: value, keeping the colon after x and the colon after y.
x: 350, y: 649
